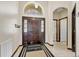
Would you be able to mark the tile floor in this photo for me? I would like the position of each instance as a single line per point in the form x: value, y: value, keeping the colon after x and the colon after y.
x: 60, y: 50
x: 39, y: 53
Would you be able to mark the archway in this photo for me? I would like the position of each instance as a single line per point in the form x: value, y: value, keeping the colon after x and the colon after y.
x: 33, y: 9
x: 60, y: 16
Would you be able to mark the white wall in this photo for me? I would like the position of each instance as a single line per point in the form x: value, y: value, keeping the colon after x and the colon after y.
x: 8, y: 19
x: 56, y: 15
x: 63, y: 30
x: 64, y: 13
x: 70, y: 24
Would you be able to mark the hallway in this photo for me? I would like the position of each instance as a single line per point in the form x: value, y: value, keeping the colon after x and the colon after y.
x: 39, y: 29
x: 58, y: 50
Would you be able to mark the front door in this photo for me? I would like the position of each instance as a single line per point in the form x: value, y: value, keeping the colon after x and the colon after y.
x: 32, y: 33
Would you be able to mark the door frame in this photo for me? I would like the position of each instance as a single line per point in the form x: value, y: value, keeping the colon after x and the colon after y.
x: 74, y: 11
x: 57, y: 32
x: 59, y: 29
x: 23, y: 18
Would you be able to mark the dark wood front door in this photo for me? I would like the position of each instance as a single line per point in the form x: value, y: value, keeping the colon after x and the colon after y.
x: 32, y: 33
x: 73, y: 29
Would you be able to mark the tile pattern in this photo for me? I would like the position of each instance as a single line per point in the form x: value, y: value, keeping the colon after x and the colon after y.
x: 60, y: 50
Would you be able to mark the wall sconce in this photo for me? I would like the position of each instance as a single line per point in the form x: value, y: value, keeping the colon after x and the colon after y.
x: 17, y: 26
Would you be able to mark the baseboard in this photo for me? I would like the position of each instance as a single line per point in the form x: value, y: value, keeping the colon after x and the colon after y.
x: 49, y: 44
x: 69, y: 48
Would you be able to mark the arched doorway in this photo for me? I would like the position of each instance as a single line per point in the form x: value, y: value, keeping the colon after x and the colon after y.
x: 60, y: 16
x: 33, y: 24
x: 33, y: 9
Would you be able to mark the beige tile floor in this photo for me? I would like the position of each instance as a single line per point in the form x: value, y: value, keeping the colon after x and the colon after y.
x: 39, y: 53
x: 60, y: 50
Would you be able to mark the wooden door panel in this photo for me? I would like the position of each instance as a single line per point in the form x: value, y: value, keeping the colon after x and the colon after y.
x: 33, y: 35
